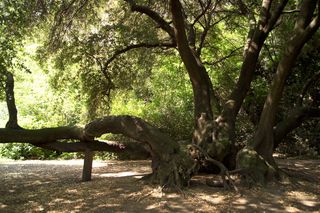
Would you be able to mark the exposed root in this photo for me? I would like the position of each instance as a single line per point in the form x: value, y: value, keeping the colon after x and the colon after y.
x: 299, y: 175
x: 227, y: 181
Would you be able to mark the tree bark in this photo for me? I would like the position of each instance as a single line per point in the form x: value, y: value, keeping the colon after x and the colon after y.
x: 263, y: 141
x: 40, y: 136
x: 87, y: 165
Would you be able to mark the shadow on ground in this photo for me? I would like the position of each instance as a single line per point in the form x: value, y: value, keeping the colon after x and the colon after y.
x: 55, y: 186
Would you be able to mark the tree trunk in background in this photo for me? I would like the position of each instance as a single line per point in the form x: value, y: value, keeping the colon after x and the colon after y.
x: 12, y: 110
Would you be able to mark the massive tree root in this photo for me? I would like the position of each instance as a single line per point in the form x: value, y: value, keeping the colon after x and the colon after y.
x: 227, y: 181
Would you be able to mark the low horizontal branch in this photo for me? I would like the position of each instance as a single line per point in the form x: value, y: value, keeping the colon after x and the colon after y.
x: 294, y: 119
x: 83, y: 146
x: 41, y: 135
x: 82, y: 139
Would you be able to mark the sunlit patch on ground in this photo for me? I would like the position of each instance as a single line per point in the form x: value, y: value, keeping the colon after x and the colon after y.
x: 122, y: 174
x: 55, y: 186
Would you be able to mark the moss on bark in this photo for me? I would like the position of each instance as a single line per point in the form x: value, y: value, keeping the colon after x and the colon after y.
x: 257, y: 169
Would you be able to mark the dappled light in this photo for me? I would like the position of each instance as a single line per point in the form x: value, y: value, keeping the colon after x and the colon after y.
x: 31, y: 186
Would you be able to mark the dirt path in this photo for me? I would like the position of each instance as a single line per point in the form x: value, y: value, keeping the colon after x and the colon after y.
x: 54, y: 186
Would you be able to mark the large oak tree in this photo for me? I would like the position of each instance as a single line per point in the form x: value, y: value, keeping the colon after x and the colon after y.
x: 185, y: 26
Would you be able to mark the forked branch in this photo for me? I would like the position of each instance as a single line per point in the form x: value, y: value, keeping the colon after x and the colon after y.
x: 163, y: 24
x: 132, y: 47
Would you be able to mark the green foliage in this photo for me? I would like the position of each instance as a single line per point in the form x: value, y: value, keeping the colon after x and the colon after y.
x: 69, y: 82
x: 15, y: 18
x: 164, y: 99
x: 25, y: 151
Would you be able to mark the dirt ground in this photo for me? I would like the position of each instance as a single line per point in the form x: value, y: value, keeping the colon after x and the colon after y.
x: 55, y: 186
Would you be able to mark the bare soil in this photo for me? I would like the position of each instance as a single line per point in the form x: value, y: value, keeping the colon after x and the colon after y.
x: 55, y: 186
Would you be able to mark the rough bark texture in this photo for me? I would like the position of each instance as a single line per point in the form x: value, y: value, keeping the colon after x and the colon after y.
x: 257, y: 170
x: 40, y: 136
x: 200, y: 80
x: 84, y: 146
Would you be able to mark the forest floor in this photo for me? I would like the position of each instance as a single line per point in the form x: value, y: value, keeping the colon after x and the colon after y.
x: 55, y: 186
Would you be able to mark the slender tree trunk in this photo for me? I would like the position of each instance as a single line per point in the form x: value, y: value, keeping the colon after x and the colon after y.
x: 12, y: 110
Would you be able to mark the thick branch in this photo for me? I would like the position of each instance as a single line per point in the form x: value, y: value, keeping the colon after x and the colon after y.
x: 276, y: 15
x: 200, y: 80
x: 265, y: 12
x: 306, y: 13
x: 168, y: 161
x: 264, y: 138
x: 153, y: 15
x: 314, y: 79
x: 41, y: 135
x: 256, y: 39
x: 295, y: 118
x: 83, y: 146
x: 132, y: 127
